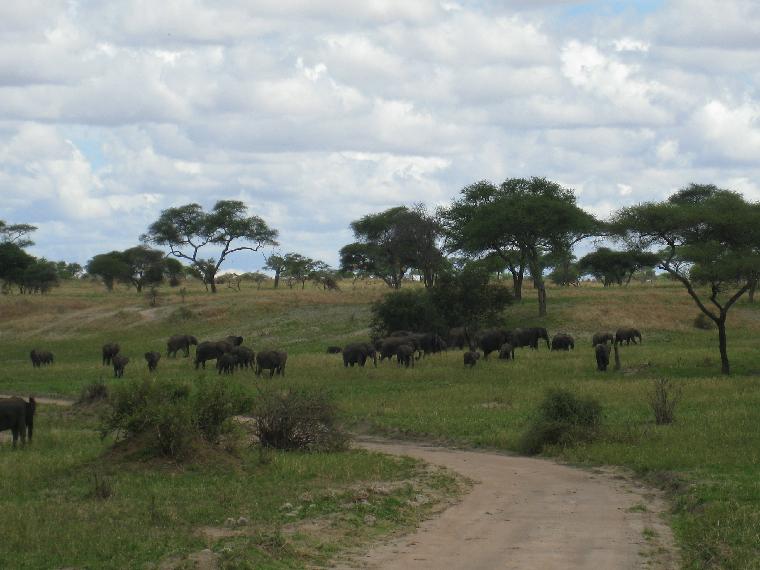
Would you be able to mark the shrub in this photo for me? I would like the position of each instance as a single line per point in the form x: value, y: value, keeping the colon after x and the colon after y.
x: 562, y: 419
x: 169, y: 417
x: 702, y: 321
x: 405, y: 310
x: 663, y: 400
x: 95, y: 392
x: 298, y: 419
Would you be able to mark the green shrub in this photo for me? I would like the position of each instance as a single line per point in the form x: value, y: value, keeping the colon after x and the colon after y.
x: 168, y: 417
x: 94, y: 392
x: 663, y: 400
x: 702, y: 321
x: 302, y: 419
x: 562, y: 419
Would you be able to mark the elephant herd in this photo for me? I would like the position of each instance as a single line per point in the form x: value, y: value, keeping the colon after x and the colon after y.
x: 229, y: 355
x: 407, y: 346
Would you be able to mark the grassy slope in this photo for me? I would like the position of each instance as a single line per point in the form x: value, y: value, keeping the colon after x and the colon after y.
x: 710, y: 457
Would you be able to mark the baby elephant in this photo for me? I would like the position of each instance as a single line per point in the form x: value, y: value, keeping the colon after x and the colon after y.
x: 602, y: 338
x: 334, y: 350
x: 272, y: 360
x: 119, y: 363
x: 471, y: 357
x: 563, y: 342
x: 110, y: 350
x: 40, y: 357
x: 602, y: 357
x: 152, y: 359
x: 226, y: 363
x: 507, y: 352
x: 405, y: 355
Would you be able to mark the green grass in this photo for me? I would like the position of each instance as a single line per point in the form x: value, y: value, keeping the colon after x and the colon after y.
x: 709, y: 459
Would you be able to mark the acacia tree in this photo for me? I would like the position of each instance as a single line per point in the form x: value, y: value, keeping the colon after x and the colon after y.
x: 276, y: 263
x: 110, y: 267
x: 187, y: 229
x: 146, y: 266
x: 17, y: 234
x: 297, y: 268
x: 523, y: 220
x: 392, y: 242
x: 709, y: 240
x: 611, y: 266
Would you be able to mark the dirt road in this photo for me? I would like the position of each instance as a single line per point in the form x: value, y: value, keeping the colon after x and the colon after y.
x: 530, y: 514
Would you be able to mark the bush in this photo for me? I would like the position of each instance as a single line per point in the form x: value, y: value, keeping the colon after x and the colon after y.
x: 95, y: 392
x: 302, y: 419
x: 562, y: 419
x: 703, y: 322
x: 405, y: 310
x: 169, y: 417
x: 663, y: 400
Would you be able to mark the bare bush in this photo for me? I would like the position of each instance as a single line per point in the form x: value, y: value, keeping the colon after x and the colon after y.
x: 663, y: 400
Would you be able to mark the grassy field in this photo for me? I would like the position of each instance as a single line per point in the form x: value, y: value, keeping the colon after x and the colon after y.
x: 709, y: 459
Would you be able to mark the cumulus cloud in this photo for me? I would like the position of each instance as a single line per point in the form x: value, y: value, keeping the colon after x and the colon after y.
x: 315, y: 113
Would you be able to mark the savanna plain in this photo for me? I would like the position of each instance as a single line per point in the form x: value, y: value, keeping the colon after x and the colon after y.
x: 69, y: 500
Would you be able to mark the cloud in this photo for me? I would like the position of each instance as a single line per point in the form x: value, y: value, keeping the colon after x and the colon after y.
x: 316, y: 113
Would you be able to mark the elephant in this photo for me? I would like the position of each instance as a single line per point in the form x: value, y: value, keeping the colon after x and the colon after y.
x: 602, y: 338
x: 234, y: 340
x: 226, y: 363
x: 459, y: 337
x: 389, y: 346
x: 334, y: 350
x: 507, y: 352
x: 180, y: 341
x: 405, y: 355
x: 272, y: 360
x: 119, y: 363
x: 244, y: 355
x: 529, y: 337
x: 563, y: 342
x: 40, y: 357
x: 628, y: 335
x: 210, y: 350
x: 602, y: 356
x: 358, y: 353
x: 152, y: 359
x: 491, y: 340
x: 429, y: 343
x: 18, y: 416
x: 471, y: 357
x: 110, y: 350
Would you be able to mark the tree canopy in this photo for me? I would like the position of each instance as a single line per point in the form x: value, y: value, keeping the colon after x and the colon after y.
x: 17, y: 234
x: 187, y: 230
x: 523, y: 221
x: 708, y: 239
x: 611, y: 267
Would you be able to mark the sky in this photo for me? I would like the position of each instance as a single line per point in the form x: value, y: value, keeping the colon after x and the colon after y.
x: 315, y: 113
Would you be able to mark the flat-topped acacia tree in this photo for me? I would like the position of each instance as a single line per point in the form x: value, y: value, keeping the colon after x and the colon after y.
x: 187, y: 229
x: 709, y: 241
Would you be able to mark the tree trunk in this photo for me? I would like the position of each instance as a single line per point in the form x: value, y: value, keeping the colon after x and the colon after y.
x: 517, y: 283
x: 276, y: 278
x: 541, y: 288
x: 751, y: 291
x: 724, y: 366
x: 212, y: 281
x: 617, y: 356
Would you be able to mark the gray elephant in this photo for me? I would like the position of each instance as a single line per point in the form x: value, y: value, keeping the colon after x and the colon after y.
x: 602, y: 352
x: 507, y: 352
x: 563, y: 342
x: 40, y: 357
x: 110, y: 350
x: 180, y: 341
x: 471, y: 358
x: 234, y: 340
x: 491, y: 340
x: 389, y: 346
x: 119, y: 363
x: 529, y: 337
x: 429, y: 343
x: 272, y: 360
x: 405, y: 355
x: 334, y: 350
x: 459, y: 337
x: 358, y: 353
x: 152, y: 359
x: 627, y: 335
x: 226, y: 363
x: 18, y: 416
x: 602, y: 338
x: 245, y: 356
x: 210, y: 350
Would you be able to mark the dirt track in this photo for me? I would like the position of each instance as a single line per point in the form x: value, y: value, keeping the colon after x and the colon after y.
x: 530, y: 514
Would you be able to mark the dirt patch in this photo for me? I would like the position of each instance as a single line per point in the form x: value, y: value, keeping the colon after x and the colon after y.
x: 530, y: 513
